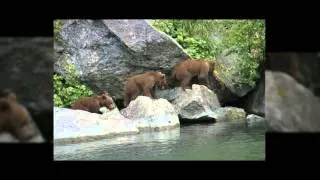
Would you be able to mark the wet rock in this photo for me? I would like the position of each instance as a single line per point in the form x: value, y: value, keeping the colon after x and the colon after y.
x: 255, y: 120
x: 227, y: 114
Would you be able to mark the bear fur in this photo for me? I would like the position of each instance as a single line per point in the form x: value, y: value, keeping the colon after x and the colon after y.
x: 16, y: 119
x: 185, y: 70
x: 93, y: 104
x: 145, y: 83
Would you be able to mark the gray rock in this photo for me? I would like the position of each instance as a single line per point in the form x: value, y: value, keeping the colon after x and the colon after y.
x: 168, y: 94
x: 73, y: 126
x: 193, y: 104
x: 151, y: 114
x: 228, y: 114
x: 106, y: 52
x: 229, y: 78
x: 251, y: 118
x: 290, y: 107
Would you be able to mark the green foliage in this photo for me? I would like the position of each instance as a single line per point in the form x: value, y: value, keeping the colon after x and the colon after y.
x: 57, y: 24
x: 196, y: 47
x: 68, y: 89
x: 207, y: 39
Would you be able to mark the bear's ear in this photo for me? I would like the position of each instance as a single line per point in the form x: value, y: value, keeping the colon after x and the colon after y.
x: 104, y: 97
x: 12, y: 97
x: 104, y: 93
x: 162, y: 76
x: 4, y: 105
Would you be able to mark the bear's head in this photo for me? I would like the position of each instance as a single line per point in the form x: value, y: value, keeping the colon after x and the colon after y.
x: 105, y: 100
x: 15, y: 118
x: 161, y: 80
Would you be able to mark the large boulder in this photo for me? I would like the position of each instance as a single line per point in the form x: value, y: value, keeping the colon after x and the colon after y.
x: 290, y: 107
x: 151, y: 114
x: 106, y: 52
x: 26, y: 69
x: 73, y: 126
x: 196, y: 104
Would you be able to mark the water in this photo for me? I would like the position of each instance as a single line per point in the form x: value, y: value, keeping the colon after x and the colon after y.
x: 219, y: 141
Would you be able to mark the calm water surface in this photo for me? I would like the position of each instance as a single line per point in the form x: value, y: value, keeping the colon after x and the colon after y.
x: 219, y: 141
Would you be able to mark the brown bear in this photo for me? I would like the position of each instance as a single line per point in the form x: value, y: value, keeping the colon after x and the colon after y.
x: 93, y: 104
x: 185, y: 70
x: 145, y: 82
x: 16, y: 119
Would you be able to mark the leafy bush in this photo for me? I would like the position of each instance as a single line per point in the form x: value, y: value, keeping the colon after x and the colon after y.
x: 57, y: 24
x: 196, y: 47
x: 246, y: 38
x: 68, y: 89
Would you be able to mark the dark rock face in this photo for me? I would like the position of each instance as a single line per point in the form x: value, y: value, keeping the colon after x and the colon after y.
x: 26, y: 68
x: 255, y: 101
x: 105, y: 52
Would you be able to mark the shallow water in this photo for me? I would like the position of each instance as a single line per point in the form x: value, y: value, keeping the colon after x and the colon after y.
x: 219, y: 141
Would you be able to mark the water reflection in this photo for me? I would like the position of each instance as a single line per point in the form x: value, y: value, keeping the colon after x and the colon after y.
x: 218, y: 141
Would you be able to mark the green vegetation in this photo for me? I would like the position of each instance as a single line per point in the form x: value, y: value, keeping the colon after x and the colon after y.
x: 207, y: 39
x: 57, y: 24
x: 67, y: 89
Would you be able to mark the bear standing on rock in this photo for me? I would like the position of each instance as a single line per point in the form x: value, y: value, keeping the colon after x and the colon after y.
x: 185, y: 70
x: 93, y: 104
x: 145, y: 83
x: 15, y: 118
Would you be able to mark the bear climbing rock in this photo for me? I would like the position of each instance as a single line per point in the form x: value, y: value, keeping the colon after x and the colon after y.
x: 185, y: 70
x: 143, y: 84
x: 93, y: 104
x: 16, y: 119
